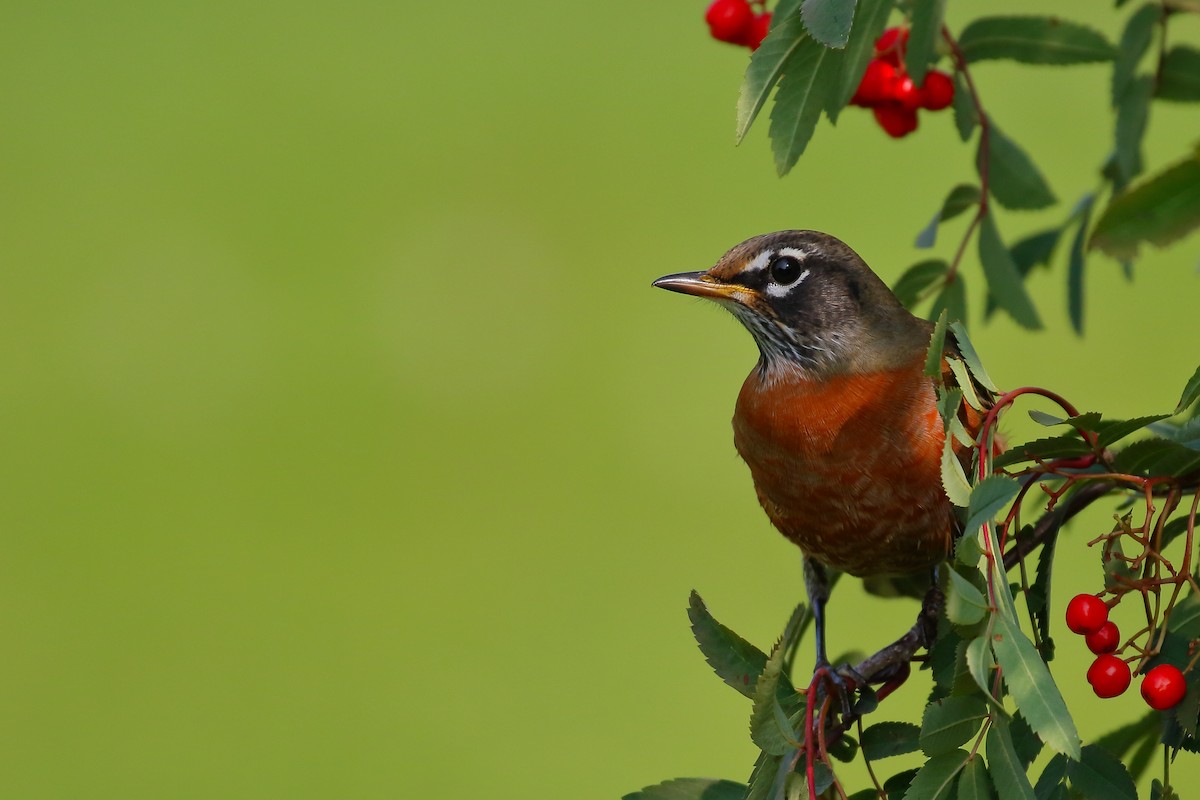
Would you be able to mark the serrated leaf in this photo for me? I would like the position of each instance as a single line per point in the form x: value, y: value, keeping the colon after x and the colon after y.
x: 968, y: 552
x: 1013, y: 179
x: 763, y: 778
x: 1033, y: 689
x: 1069, y: 445
x: 965, y: 605
x: 937, y: 347
x: 1038, y: 598
x: 965, y: 114
x: 896, y: 785
x: 924, y: 32
x: 963, y: 378
x: 1075, y: 267
x: 1054, y: 773
x: 952, y: 300
x: 935, y: 780
x: 1098, y: 774
x: 1185, y: 617
x: 1034, y: 40
x: 1158, y: 210
x: 961, y: 197
x: 736, y: 661
x: 869, y: 21
x: 1113, y: 431
x: 886, y: 739
x: 1132, y: 111
x: 691, y: 789
x: 982, y: 665
x: 988, y: 497
x: 1151, y: 457
x: 1180, y: 75
x: 767, y: 64
x: 954, y: 480
x: 975, y: 783
x: 798, y: 102
x: 948, y: 723
x: 1004, y: 282
x: 1026, y: 744
x: 828, y: 21
x: 1010, y: 779
x: 916, y: 279
x: 1135, y: 40
x: 967, y: 349
x: 1191, y: 393
x: 771, y: 689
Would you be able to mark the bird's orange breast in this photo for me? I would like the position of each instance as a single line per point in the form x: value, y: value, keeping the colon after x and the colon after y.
x: 849, y: 467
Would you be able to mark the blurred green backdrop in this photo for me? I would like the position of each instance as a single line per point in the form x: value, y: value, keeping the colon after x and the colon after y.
x: 348, y: 452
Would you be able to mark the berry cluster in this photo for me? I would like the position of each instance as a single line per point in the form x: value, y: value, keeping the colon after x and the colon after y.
x: 734, y: 21
x: 1163, y: 686
x: 889, y: 91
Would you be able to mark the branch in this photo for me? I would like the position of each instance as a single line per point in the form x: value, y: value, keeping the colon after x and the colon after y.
x: 1046, y: 528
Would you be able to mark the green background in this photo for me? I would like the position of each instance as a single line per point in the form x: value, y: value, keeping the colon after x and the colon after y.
x: 347, y: 450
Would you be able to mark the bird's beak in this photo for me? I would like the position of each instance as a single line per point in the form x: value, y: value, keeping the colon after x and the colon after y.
x: 698, y: 284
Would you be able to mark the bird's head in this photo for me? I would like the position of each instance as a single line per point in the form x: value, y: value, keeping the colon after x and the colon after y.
x: 811, y: 303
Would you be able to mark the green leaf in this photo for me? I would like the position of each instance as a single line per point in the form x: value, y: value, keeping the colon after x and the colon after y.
x: 1132, y: 112
x: 916, y: 279
x: 1180, y: 76
x: 1075, y: 270
x: 982, y: 665
x: 828, y: 21
x: 1157, y: 457
x: 1052, y: 776
x: 952, y: 300
x: 764, y: 778
x: 971, y: 357
x: 691, y: 789
x: 886, y: 739
x: 937, y: 347
x: 954, y: 480
x: 1112, y: 431
x: 1069, y: 445
x: 896, y: 785
x: 1033, y: 689
x: 949, y: 723
x: 1004, y: 282
x: 974, y: 783
x: 1158, y: 210
x: 772, y: 689
x: 1099, y: 774
x: 1160, y: 792
x: 1185, y: 617
x: 965, y: 114
x: 736, y: 661
x: 1190, y: 393
x: 1135, y: 40
x: 1035, y: 249
x: 1120, y: 741
x: 1026, y: 744
x: 1014, y: 180
x: 1038, y: 598
x: 988, y: 497
x: 1011, y: 780
x: 766, y: 67
x: 963, y: 378
x: 869, y: 21
x: 924, y: 33
x: 961, y: 197
x: 1034, y: 40
x: 935, y: 780
x: 965, y: 604
x: 798, y: 102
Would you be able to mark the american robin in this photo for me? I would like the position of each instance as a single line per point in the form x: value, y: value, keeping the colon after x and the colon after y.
x: 838, y: 421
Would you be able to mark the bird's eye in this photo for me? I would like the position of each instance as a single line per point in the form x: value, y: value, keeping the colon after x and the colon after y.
x: 785, y: 269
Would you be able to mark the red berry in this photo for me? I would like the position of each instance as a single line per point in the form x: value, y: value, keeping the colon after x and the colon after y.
x: 938, y: 91
x: 1104, y: 640
x: 897, y: 120
x: 906, y: 93
x: 876, y: 84
x: 890, y: 46
x: 729, y: 20
x: 1109, y: 676
x: 1086, y: 613
x: 758, y: 30
x: 1163, y: 687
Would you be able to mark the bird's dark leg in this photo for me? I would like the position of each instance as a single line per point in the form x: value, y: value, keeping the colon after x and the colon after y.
x: 816, y: 582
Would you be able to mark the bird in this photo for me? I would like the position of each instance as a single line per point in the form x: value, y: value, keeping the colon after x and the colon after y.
x: 838, y: 420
